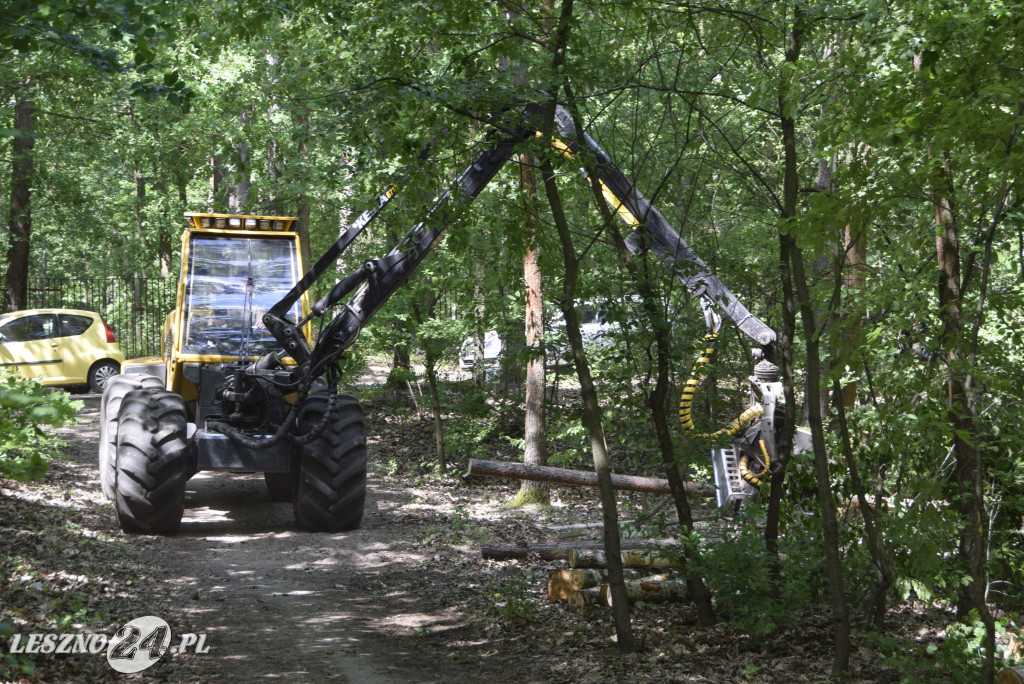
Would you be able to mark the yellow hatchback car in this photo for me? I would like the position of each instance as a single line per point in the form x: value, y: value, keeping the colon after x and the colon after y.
x: 60, y: 347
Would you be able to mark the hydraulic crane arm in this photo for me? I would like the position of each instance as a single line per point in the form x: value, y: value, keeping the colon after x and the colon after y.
x: 377, y: 280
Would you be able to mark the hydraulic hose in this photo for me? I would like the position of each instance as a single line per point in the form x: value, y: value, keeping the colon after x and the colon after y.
x: 690, y: 392
x: 755, y: 479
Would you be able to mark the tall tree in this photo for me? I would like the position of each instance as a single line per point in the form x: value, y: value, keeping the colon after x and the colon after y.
x: 20, y: 222
x: 534, y: 435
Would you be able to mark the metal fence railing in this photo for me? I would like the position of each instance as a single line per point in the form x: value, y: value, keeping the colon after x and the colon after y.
x: 135, y: 308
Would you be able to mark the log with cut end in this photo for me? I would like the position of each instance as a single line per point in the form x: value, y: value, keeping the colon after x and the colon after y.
x: 1011, y: 675
x: 579, y: 478
x: 553, y: 551
x: 637, y: 558
x: 560, y: 585
x: 585, y: 578
x: 651, y: 590
x: 585, y: 597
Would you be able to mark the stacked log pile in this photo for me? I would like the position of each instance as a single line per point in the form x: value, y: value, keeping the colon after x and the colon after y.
x: 586, y: 580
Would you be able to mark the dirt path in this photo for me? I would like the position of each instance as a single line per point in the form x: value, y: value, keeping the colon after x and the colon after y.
x: 277, y: 601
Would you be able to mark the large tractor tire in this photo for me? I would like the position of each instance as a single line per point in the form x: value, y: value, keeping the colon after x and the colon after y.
x: 117, y: 387
x: 152, y: 464
x: 331, y: 487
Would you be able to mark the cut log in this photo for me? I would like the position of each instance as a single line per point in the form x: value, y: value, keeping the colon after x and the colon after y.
x: 585, y: 597
x: 560, y: 585
x: 553, y: 551
x: 1011, y: 675
x: 578, y: 478
x: 635, y: 558
x: 652, y: 590
x: 585, y: 578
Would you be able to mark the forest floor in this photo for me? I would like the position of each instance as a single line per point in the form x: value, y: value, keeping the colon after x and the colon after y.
x: 406, y: 598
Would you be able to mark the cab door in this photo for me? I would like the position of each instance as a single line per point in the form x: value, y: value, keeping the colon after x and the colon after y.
x: 30, y: 345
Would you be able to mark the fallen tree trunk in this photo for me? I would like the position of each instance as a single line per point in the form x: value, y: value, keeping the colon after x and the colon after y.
x: 652, y: 591
x: 578, y: 478
x: 638, y: 558
x: 585, y: 578
x: 560, y: 550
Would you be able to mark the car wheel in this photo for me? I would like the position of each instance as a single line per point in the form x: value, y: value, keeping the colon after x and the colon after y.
x: 100, y: 374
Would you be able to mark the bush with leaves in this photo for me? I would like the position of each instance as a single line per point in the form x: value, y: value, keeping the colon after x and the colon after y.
x: 25, y: 407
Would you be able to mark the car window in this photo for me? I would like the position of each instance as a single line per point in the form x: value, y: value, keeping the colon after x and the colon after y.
x: 27, y: 328
x: 73, y: 324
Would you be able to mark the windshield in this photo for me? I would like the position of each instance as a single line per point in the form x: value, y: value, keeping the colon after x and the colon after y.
x: 231, y: 283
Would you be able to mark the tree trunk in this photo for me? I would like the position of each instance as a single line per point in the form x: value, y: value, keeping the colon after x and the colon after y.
x: 784, y: 443
x: 960, y: 414
x: 238, y: 194
x: 851, y: 336
x: 534, y: 434
x: 399, y: 382
x: 430, y: 370
x: 302, y: 201
x: 591, y: 405
x: 479, y: 333
x: 1011, y: 675
x: 19, y: 226
x: 812, y: 397
x: 585, y: 578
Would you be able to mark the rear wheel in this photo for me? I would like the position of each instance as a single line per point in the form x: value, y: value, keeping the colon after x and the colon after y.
x: 331, y: 487
x: 110, y: 404
x: 152, y: 464
x: 100, y: 375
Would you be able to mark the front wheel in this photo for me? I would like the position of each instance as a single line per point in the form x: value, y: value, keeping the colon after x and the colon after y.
x: 332, y: 468
x: 152, y: 462
x: 110, y: 405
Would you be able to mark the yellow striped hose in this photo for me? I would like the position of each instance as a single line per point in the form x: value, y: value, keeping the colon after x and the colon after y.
x: 755, y: 479
x: 686, y: 409
x: 693, y: 382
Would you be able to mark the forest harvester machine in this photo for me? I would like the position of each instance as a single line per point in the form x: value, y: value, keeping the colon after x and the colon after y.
x: 241, y: 385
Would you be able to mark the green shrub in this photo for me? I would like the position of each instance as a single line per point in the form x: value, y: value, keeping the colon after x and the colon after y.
x: 25, y: 406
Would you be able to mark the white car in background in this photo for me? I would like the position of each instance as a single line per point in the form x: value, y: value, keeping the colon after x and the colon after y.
x: 594, y: 327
